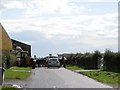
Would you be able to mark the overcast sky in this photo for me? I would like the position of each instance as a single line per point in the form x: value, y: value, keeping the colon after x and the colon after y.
x: 62, y: 26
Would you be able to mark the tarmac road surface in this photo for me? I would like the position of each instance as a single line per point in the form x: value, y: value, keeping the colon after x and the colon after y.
x: 60, y: 78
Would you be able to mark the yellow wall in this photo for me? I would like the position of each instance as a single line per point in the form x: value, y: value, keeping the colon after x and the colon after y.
x: 5, y: 41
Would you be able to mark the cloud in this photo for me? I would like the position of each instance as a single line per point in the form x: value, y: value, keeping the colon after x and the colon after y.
x: 68, y: 34
x: 96, y: 0
x: 54, y: 7
x: 1, y: 6
x: 36, y: 8
x: 72, y: 27
x: 14, y: 4
x: 61, y: 26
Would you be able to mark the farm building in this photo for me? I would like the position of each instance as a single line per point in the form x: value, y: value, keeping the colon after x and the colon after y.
x: 5, y: 41
x: 5, y: 49
x: 24, y: 46
x: 8, y: 46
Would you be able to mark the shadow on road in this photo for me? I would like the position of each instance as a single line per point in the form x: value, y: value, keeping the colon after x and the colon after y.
x: 51, y: 68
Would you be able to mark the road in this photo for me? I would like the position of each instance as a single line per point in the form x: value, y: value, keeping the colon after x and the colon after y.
x: 56, y: 78
x: 60, y: 78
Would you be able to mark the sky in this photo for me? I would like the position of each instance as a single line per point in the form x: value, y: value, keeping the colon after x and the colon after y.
x: 62, y: 26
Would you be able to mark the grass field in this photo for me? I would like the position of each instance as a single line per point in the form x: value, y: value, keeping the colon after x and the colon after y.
x: 70, y: 67
x: 17, y: 73
x: 103, y: 76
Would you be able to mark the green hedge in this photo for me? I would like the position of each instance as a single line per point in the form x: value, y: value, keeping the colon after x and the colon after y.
x: 87, y: 60
x: 111, y: 61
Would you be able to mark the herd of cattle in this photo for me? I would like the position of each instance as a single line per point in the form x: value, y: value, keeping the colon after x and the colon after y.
x: 42, y: 62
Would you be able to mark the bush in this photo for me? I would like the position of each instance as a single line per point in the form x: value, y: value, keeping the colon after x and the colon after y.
x: 8, y: 60
x: 0, y: 60
x: 12, y: 60
x: 111, y: 61
x: 107, y: 59
x: 96, y: 58
x: 87, y: 60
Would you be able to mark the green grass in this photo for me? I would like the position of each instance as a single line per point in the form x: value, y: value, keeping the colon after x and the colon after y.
x: 103, y: 76
x: 9, y: 87
x: 0, y: 87
x: 11, y: 74
x: 70, y: 67
x: 20, y: 68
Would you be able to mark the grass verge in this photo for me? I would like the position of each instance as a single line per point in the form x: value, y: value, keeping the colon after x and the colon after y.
x: 18, y: 74
x: 9, y: 87
x: 103, y: 76
x: 74, y: 67
x: 0, y: 87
